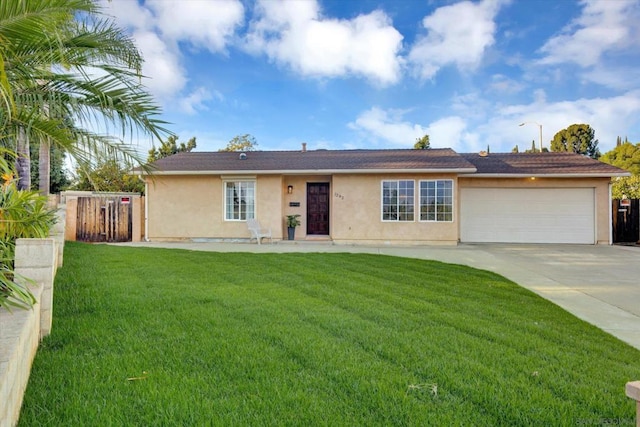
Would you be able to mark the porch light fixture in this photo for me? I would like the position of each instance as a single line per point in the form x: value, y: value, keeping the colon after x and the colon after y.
x: 290, y: 189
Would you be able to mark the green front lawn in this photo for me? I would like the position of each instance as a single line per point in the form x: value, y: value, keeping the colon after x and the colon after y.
x: 154, y: 337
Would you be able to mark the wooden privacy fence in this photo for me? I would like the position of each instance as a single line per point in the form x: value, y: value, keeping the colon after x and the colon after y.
x: 104, y: 219
x: 626, y: 220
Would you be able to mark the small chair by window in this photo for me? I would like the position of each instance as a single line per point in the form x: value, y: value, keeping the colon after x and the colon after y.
x: 257, y: 232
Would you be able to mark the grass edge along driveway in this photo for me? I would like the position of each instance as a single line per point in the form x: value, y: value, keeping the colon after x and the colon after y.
x: 169, y: 337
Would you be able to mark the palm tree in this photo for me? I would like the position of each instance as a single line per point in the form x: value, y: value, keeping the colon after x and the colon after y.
x: 70, y: 77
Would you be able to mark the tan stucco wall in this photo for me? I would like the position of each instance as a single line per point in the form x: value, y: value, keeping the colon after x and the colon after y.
x: 600, y: 186
x: 188, y: 207
x: 356, y: 213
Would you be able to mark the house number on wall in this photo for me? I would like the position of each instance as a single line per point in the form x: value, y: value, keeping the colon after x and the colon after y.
x: 338, y: 195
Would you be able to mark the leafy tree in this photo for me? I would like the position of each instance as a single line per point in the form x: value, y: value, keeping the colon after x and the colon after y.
x: 515, y: 149
x: 170, y: 147
x: 422, y: 143
x: 244, y: 142
x: 533, y: 148
x: 628, y: 186
x: 107, y: 175
x: 58, y: 179
x: 48, y: 49
x: 625, y: 156
x: 577, y: 138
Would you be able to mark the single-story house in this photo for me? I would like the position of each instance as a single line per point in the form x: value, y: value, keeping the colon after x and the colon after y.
x: 396, y: 196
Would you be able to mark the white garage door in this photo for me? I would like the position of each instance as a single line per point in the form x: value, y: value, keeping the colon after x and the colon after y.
x: 532, y: 215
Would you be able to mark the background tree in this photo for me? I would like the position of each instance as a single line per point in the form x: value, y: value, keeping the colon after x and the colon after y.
x: 422, y: 143
x: 515, y: 149
x: 170, y: 147
x: 107, y: 175
x: 577, y: 138
x: 244, y: 142
x: 625, y: 156
x: 58, y: 177
x: 48, y: 51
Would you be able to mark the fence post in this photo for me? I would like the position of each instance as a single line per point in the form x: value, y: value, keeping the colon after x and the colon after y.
x: 633, y: 391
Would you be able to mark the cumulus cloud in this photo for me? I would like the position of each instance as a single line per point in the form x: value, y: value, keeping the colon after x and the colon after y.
x: 601, y: 27
x: 203, y: 23
x: 159, y: 26
x: 295, y: 34
x: 458, y: 34
x: 609, y: 116
x: 390, y: 126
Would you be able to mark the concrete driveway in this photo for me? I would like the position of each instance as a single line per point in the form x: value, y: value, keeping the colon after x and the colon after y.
x: 599, y: 284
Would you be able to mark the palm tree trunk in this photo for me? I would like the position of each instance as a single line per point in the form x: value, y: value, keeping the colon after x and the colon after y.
x: 44, y: 167
x: 23, y: 160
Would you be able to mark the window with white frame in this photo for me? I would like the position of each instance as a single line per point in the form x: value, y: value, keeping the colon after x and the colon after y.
x: 436, y: 200
x: 239, y: 200
x: 398, y: 200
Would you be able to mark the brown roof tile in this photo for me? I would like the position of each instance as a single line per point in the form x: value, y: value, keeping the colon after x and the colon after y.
x: 540, y: 164
x: 433, y: 160
x: 316, y: 161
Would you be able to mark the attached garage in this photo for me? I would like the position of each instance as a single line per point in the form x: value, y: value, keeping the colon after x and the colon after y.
x: 527, y: 215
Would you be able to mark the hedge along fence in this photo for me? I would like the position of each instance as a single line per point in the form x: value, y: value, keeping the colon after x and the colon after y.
x: 21, y: 330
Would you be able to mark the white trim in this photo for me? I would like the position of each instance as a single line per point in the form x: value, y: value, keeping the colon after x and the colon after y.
x: 610, y: 216
x: 146, y: 211
x: 224, y: 199
x: 419, y: 204
x: 227, y: 173
x: 550, y: 175
x: 382, y: 201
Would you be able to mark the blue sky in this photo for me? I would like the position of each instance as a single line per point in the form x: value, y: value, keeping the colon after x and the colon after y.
x: 342, y: 74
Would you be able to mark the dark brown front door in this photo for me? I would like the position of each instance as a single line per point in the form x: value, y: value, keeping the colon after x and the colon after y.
x: 318, y: 208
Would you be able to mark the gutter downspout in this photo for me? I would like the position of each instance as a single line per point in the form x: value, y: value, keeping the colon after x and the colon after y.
x: 146, y: 208
x: 146, y: 211
x: 610, y: 216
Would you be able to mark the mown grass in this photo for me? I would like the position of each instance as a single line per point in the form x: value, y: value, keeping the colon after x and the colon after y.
x: 154, y: 337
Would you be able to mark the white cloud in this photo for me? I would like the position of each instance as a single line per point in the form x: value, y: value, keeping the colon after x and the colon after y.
x: 193, y: 102
x: 458, y: 35
x: 609, y: 117
x: 294, y: 34
x: 602, y: 26
x: 390, y: 126
x: 204, y: 23
x: 158, y: 27
x: 165, y: 75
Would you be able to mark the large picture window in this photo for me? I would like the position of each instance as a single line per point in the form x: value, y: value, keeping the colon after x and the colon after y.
x: 239, y: 200
x: 398, y: 200
x: 436, y: 200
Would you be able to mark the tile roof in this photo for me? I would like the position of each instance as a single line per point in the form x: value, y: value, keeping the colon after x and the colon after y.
x: 371, y: 161
x: 556, y: 164
x: 315, y: 161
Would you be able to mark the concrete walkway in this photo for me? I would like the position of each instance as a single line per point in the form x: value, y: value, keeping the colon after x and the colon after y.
x: 599, y: 284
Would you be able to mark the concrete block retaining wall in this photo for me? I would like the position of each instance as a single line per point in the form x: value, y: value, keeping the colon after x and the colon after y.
x: 21, y: 330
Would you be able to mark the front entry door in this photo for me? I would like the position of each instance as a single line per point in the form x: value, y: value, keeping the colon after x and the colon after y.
x: 318, y: 208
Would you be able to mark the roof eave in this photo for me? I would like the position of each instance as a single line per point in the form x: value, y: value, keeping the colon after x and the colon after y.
x: 551, y: 175
x: 305, y: 171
